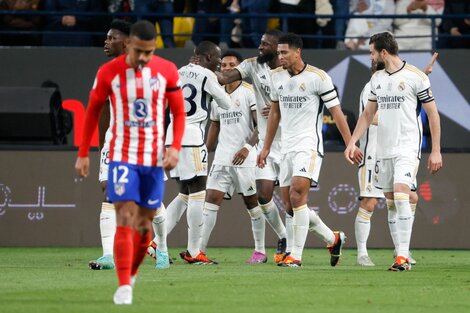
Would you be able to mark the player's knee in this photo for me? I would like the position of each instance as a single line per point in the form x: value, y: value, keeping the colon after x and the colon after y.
x: 250, y: 201
x: 214, y: 197
x: 368, y: 204
x: 414, y: 197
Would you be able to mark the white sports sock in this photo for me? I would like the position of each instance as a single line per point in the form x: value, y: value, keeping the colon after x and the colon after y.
x: 159, y: 228
x: 107, y: 227
x: 258, y: 228
x: 289, y: 232
x: 301, y: 222
x: 320, y: 229
x: 194, y: 218
x: 392, y: 222
x: 362, y: 230
x: 413, y: 213
x: 271, y: 213
x: 175, y: 210
x: 209, y: 218
x: 404, y: 222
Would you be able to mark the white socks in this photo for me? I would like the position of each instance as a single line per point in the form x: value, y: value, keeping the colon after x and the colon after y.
x: 107, y: 227
x: 404, y: 223
x: 175, y: 210
x: 271, y: 213
x: 301, y: 222
x: 289, y: 232
x: 160, y: 228
x: 209, y: 218
x: 392, y: 222
x: 194, y: 217
x: 258, y: 228
x: 362, y: 230
x: 320, y: 229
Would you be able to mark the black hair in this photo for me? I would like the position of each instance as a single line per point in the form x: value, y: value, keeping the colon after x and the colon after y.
x: 121, y: 25
x: 143, y: 30
x: 275, y: 33
x: 205, y: 48
x: 232, y: 53
x: 293, y: 40
x: 385, y: 41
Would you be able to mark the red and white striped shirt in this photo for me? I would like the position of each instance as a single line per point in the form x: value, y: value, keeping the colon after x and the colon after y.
x: 138, y: 101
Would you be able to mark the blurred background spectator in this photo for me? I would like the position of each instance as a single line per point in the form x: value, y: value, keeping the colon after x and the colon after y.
x: 416, y: 27
x: 456, y: 27
x: 165, y: 23
x: 20, y: 23
x: 66, y: 24
x: 363, y: 28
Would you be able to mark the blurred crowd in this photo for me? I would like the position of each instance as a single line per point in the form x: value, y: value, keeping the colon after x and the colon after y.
x: 347, y: 31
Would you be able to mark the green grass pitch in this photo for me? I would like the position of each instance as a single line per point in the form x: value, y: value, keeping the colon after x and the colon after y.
x: 58, y: 280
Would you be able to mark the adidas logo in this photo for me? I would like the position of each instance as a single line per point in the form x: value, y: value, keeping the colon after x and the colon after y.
x: 263, y: 77
x: 408, y: 174
x: 250, y: 189
x: 378, y: 87
x: 303, y: 170
x: 280, y: 88
x: 369, y: 158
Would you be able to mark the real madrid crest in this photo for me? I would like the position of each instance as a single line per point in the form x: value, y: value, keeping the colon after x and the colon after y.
x: 401, y: 86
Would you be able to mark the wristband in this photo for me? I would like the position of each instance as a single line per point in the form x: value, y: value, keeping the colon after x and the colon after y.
x: 248, y: 146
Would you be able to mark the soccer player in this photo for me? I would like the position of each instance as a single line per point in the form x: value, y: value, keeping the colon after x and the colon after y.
x: 139, y: 85
x: 233, y: 168
x: 369, y: 194
x: 114, y: 46
x: 398, y: 92
x: 299, y: 92
x: 199, y: 85
x: 257, y: 70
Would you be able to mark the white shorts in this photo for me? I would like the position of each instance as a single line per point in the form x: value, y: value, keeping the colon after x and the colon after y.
x: 398, y: 170
x: 192, y: 162
x: 273, y: 162
x: 365, y: 175
x: 104, y: 163
x: 300, y: 163
x: 229, y: 179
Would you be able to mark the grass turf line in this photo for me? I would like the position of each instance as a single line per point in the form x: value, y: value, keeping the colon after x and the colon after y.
x: 58, y: 280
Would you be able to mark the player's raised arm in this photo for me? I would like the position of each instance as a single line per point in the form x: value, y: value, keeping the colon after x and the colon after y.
x: 227, y: 77
x: 428, y: 69
x: 217, y: 92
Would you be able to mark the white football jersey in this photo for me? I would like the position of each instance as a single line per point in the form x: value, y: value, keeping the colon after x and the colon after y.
x: 399, y: 96
x: 236, y: 126
x: 199, y: 86
x: 368, y: 141
x: 301, y: 109
x: 260, y: 76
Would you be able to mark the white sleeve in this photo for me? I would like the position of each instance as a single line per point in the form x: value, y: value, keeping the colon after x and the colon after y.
x: 423, y: 89
x: 372, y: 95
x: 327, y: 92
x: 274, y: 94
x: 215, y: 115
x: 217, y: 92
x: 245, y: 68
x: 251, y: 100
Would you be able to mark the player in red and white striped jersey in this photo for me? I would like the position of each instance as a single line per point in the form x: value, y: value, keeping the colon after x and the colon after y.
x: 138, y: 84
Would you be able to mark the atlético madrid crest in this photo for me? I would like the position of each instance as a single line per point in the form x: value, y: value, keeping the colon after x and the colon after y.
x: 119, y: 189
